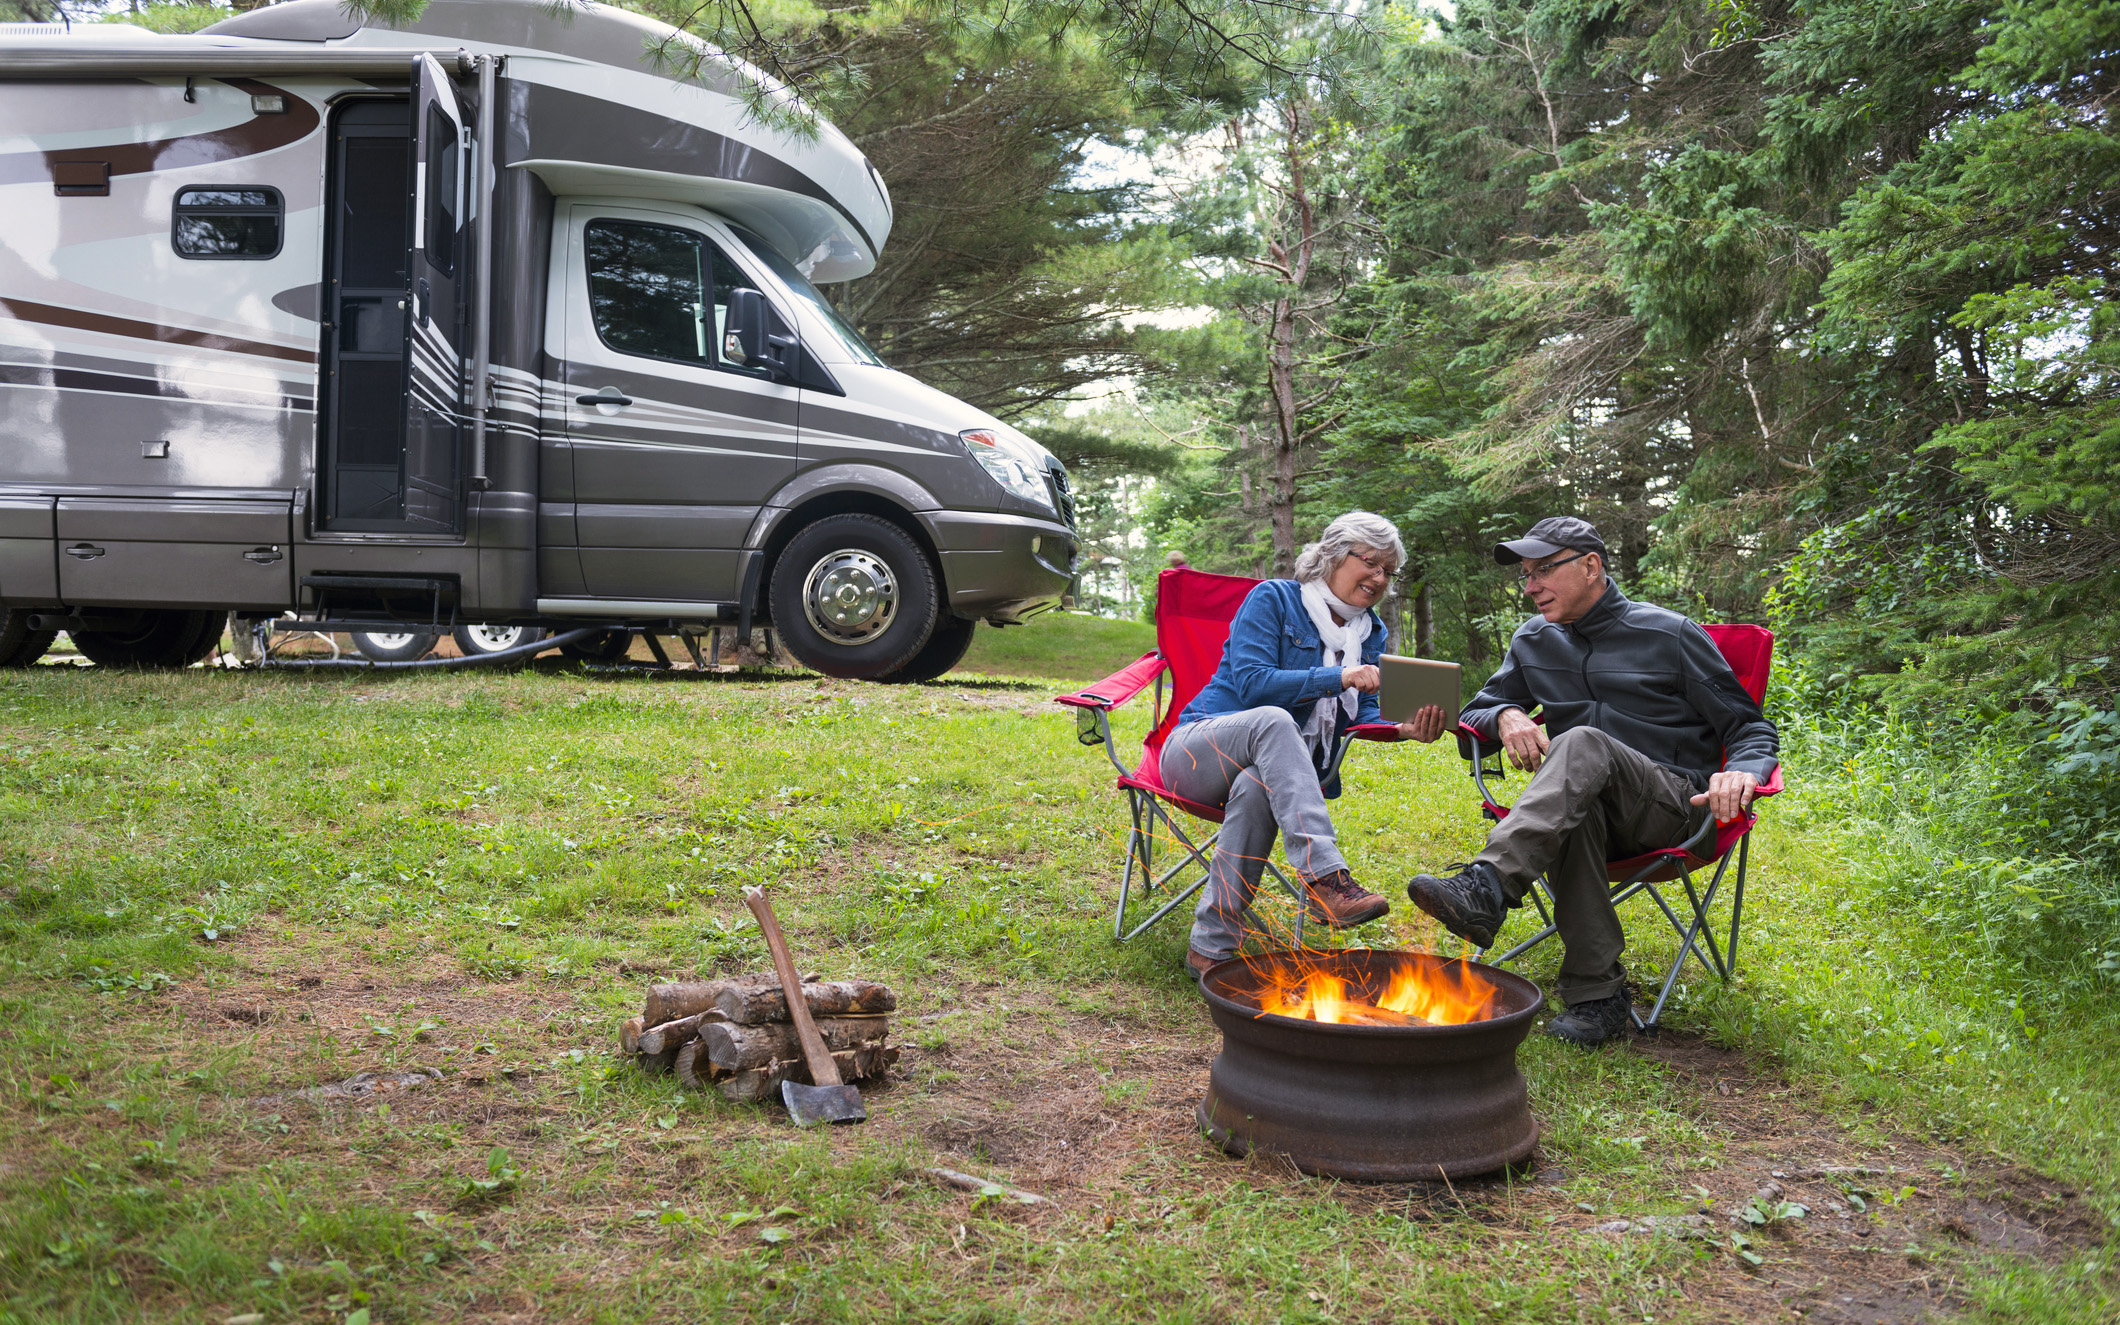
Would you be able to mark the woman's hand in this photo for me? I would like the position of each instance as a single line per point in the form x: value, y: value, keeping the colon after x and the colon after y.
x: 1366, y: 679
x: 1425, y: 727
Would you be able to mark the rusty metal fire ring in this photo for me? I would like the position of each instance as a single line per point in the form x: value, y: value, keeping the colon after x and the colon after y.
x: 1376, y: 1103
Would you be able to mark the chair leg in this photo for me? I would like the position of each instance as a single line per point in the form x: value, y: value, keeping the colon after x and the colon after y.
x: 1537, y: 893
x: 1295, y: 895
x: 1156, y: 818
x: 1737, y: 902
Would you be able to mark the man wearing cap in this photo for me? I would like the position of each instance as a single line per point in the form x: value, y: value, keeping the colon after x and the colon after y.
x: 1645, y: 730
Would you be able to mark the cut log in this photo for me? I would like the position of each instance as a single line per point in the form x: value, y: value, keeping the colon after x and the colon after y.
x: 759, y: 1084
x: 656, y: 1065
x: 735, y: 1047
x: 673, y: 1002
x: 760, y: 1005
x: 692, y: 1068
x: 629, y: 1036
x: 671, y: 1034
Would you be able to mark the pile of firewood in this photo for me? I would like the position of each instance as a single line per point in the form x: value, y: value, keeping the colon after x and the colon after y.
x: 734, y: 1034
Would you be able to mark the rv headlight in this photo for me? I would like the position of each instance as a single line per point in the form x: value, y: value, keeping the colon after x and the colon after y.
x: 1001, y: 457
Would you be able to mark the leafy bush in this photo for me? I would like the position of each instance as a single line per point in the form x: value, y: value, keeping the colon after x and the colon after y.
x: 2001, y: 829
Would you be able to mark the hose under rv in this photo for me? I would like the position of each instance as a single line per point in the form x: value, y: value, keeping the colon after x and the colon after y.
x: 524, y: 652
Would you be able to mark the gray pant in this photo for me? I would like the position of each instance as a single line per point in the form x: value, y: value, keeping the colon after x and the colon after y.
x: 1592, y: 800
x: 1255, y: 765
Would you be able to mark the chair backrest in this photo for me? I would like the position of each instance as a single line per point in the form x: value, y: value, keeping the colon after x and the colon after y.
x: 1193, y: 612
x: 1750, y: 652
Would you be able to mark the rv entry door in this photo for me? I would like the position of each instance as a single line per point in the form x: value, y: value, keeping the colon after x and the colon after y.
x: 435, y: 405
x: 394, y: 372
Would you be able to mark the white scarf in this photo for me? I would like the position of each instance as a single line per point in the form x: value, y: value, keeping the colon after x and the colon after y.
x: 1342, y: 648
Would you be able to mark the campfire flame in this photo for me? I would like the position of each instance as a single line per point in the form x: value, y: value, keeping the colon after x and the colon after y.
x: 1417, y: 993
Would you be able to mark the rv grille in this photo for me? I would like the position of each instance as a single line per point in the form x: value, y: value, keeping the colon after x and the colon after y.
x: 1063, y: 496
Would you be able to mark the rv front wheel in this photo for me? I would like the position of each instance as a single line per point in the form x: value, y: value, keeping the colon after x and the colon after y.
x: 853, y: 596
x: 161, y: 641
x: 19, y: 645
x: 945, y: 649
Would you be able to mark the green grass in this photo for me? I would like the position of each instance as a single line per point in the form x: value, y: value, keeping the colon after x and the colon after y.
x: 1066, y: 646
x: 461, y: 863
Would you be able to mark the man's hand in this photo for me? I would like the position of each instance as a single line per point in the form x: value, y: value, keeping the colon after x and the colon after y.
x: 1425, y: 727
x: 1368, y: 679
x: 1728, y: 793
x: 1524, y: 739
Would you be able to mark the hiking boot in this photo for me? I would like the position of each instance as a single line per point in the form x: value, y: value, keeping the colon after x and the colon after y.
x: 1336, y: 900
x: 1591, y: 1024
x: 1196, y: 964
x: 1468, y: 901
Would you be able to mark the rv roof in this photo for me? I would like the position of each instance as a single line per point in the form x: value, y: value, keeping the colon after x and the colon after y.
x: 585, y: 30
x: 814, y: 196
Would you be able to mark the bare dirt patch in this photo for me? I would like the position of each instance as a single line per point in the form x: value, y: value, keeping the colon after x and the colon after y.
x: 1094, y: 1110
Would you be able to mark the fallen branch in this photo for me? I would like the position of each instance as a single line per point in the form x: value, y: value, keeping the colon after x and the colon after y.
x: 966, y: 1182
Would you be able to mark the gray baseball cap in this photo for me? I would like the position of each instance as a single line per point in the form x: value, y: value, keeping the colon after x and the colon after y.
x: 1548, y: 536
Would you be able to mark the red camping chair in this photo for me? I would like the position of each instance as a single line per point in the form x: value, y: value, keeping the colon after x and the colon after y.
x: 1193, y: 612
x: 1750, y: 652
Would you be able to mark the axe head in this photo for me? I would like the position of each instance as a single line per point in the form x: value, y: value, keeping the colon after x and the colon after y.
x: 811, y: 1105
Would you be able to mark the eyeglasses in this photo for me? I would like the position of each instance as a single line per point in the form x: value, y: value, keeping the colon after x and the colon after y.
x: 1383, y: 566
x: 1541, y: 572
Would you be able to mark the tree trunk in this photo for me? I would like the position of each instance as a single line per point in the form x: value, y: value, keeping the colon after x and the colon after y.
x: 1423, y: 621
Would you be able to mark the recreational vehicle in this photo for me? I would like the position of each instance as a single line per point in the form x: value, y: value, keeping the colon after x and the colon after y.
x: 510, y: 316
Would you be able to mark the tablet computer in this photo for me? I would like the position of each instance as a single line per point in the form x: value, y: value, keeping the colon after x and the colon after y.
x: 1412, y: 684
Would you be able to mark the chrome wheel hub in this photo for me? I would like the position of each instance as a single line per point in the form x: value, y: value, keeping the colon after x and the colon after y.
x: 850, y: 597
x: 493, y: 639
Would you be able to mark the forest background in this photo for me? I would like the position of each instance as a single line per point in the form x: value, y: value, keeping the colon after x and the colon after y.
x: 1804, y: 302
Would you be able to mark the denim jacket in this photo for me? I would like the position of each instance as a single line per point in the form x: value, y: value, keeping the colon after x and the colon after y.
x: 1271, y: 659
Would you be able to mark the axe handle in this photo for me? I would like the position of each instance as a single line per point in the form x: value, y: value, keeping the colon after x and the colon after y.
x: 823, y: 1071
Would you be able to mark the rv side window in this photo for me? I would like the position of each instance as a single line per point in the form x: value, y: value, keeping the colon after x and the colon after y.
x: 441, y: 190
x: 659, y: 291
x: 227, y: 223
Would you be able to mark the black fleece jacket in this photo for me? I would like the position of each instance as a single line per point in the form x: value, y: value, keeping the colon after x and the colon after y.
x: 1642, y: 674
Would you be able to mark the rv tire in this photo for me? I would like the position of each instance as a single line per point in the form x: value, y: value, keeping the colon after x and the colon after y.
x: 944, y: 650
x: 853, y: 596
x: 19, y: 645
x: 393, y: 646
x: 479, y: 639
x: 162, y: 641
x: 611, y: 646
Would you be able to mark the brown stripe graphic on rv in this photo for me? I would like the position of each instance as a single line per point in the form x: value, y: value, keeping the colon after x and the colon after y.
x: 83, y: 320
x: 75, y: 379
x: 260, y: 133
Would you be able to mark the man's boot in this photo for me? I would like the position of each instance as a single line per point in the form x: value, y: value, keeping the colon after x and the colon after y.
x: 1336, y: 900
x: 1468, y: 902
x: 1591, y: 1024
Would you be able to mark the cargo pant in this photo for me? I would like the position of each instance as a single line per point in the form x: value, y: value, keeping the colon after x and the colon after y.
x: 1592, y: 800
x: 1256, y: 766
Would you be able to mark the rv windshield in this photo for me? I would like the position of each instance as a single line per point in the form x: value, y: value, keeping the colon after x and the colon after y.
x: 799, y: 285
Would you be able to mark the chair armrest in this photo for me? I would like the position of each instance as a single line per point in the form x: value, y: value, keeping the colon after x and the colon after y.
x: 1375, y: 731
x: 1472, y: 746
x: 1771, y: 787
x: 1120, y: 686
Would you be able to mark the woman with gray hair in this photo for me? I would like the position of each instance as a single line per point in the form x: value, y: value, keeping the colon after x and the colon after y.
x: 1300, y: 668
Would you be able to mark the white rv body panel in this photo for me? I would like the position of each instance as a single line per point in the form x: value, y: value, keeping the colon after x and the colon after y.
x: 198, y: 427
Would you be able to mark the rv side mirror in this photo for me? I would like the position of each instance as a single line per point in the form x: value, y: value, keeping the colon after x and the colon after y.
x: 745, y: 336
